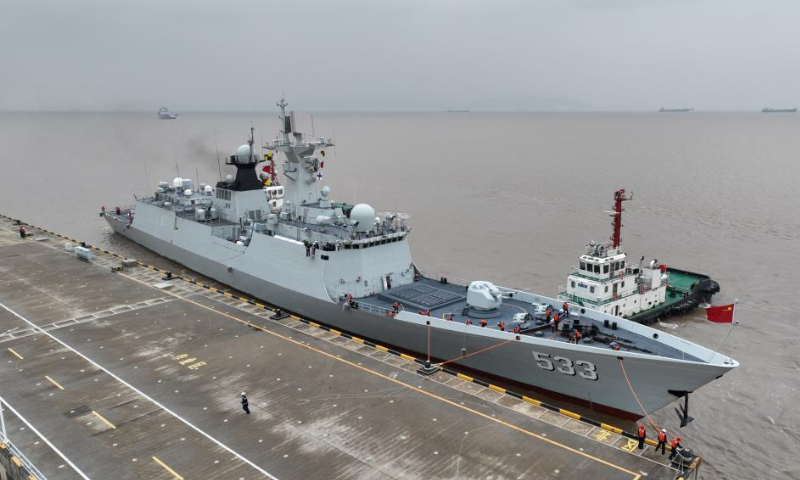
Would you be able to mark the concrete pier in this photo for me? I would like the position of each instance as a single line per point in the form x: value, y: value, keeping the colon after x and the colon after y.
x: 132, y: 377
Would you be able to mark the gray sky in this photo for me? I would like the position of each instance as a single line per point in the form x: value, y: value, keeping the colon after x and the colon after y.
x: 398, y: 54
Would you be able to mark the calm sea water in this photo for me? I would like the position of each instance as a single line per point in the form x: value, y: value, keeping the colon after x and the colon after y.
x: 511, y: 198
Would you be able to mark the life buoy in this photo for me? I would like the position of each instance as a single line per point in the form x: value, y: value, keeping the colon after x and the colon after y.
x: 615, y: 296
x: 621, y: 274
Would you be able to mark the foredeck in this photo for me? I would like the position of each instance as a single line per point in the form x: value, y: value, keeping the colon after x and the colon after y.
x: 448, y: 300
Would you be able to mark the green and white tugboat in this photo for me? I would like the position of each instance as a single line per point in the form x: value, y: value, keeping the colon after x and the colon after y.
x: 604, y: 280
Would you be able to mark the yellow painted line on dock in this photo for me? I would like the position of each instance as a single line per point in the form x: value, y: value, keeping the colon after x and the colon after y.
x: 16, y: 354
x: 110, y: 425
x: 54, y: 382
x: 166, y: 467
x: 335, y: 332
x: 634, y: 475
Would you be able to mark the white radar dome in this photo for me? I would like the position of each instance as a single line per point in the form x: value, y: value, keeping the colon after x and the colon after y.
x: 326, y: 190
x: 177, y: 182
x: 243, y: 153
x: 362, y: 216
x: 187, y: 192
x: 228, y: 178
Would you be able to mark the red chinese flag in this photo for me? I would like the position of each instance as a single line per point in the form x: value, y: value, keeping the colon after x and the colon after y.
x: 266, y: 169
x: 720, y: 314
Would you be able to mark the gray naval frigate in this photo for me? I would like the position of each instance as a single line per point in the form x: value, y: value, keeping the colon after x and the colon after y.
x: 350, y: 268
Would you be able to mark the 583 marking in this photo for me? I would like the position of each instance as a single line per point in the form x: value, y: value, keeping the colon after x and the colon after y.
x: 566, y: 366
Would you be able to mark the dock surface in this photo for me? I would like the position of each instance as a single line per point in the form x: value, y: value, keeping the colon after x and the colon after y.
x: 132, y: 377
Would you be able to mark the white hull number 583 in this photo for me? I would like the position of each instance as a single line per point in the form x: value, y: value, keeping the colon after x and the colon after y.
x: 566, y: 366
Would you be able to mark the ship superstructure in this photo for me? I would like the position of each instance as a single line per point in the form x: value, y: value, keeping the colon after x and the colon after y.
x: 351, y: 268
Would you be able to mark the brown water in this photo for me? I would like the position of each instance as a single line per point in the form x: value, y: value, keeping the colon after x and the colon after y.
x: 511, y: 198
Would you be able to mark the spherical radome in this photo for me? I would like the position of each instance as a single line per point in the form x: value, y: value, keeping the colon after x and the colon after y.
x: 362, y: 216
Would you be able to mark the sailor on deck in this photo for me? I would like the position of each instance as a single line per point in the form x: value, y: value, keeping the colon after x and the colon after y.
x: 565, y: 308
x: 576, y: 337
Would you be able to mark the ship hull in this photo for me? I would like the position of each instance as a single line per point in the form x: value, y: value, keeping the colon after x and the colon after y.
x: 654, y: 379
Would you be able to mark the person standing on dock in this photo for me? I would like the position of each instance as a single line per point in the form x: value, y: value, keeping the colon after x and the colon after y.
x: 22, y: 232
x: 642, y: 434
x: 676, y: 445
x: 662, y: 440
x: 245, y: 404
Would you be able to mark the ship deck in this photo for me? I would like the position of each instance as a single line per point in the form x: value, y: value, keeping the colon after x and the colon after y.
x: 132, y: 377
x: 442, y: 300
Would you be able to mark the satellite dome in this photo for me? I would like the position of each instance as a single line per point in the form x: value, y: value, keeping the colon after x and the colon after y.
x: 177, y: 182
x: 362, y: 216
x: 243, y: 153
x: 228, y: 178
x: 187, y: 192
x: 326, y: 190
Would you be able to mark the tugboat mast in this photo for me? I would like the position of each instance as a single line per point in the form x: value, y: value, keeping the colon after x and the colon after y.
x: 619, y: 197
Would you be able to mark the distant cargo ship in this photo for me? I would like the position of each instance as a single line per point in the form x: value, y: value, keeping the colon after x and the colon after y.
x: 675, y: 110
x: 452, y: 110
x: 165, y: 114
x: 778, y: 110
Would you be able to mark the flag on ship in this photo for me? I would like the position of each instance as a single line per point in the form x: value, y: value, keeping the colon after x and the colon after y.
x: 720, y: 313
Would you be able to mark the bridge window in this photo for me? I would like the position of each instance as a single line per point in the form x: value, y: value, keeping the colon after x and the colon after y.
x: 591, y: 289
x: 605, y: 268
x: 597, y: 269
x: 573, y: 284
x: 583, y: 266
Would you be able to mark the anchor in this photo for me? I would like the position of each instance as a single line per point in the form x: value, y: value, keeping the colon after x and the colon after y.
x: 683, y: 413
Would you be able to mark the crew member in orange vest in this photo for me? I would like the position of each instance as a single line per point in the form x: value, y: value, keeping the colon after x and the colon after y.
x: 555, y: 322
x: 483, y: 323
x: 662, y: 440
x: 642, y: 435
x: 502, y: 326
x: 576, y: 337
x: 566, y: 310
x: 676, y: 445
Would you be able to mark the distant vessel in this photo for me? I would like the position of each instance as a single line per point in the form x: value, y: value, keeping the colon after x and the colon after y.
x: 453, y: 110
x: 778, y: 110
x: 351, y: 268
x: 675, y: 110
x: 165, y: 114
x: 605, y: 281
